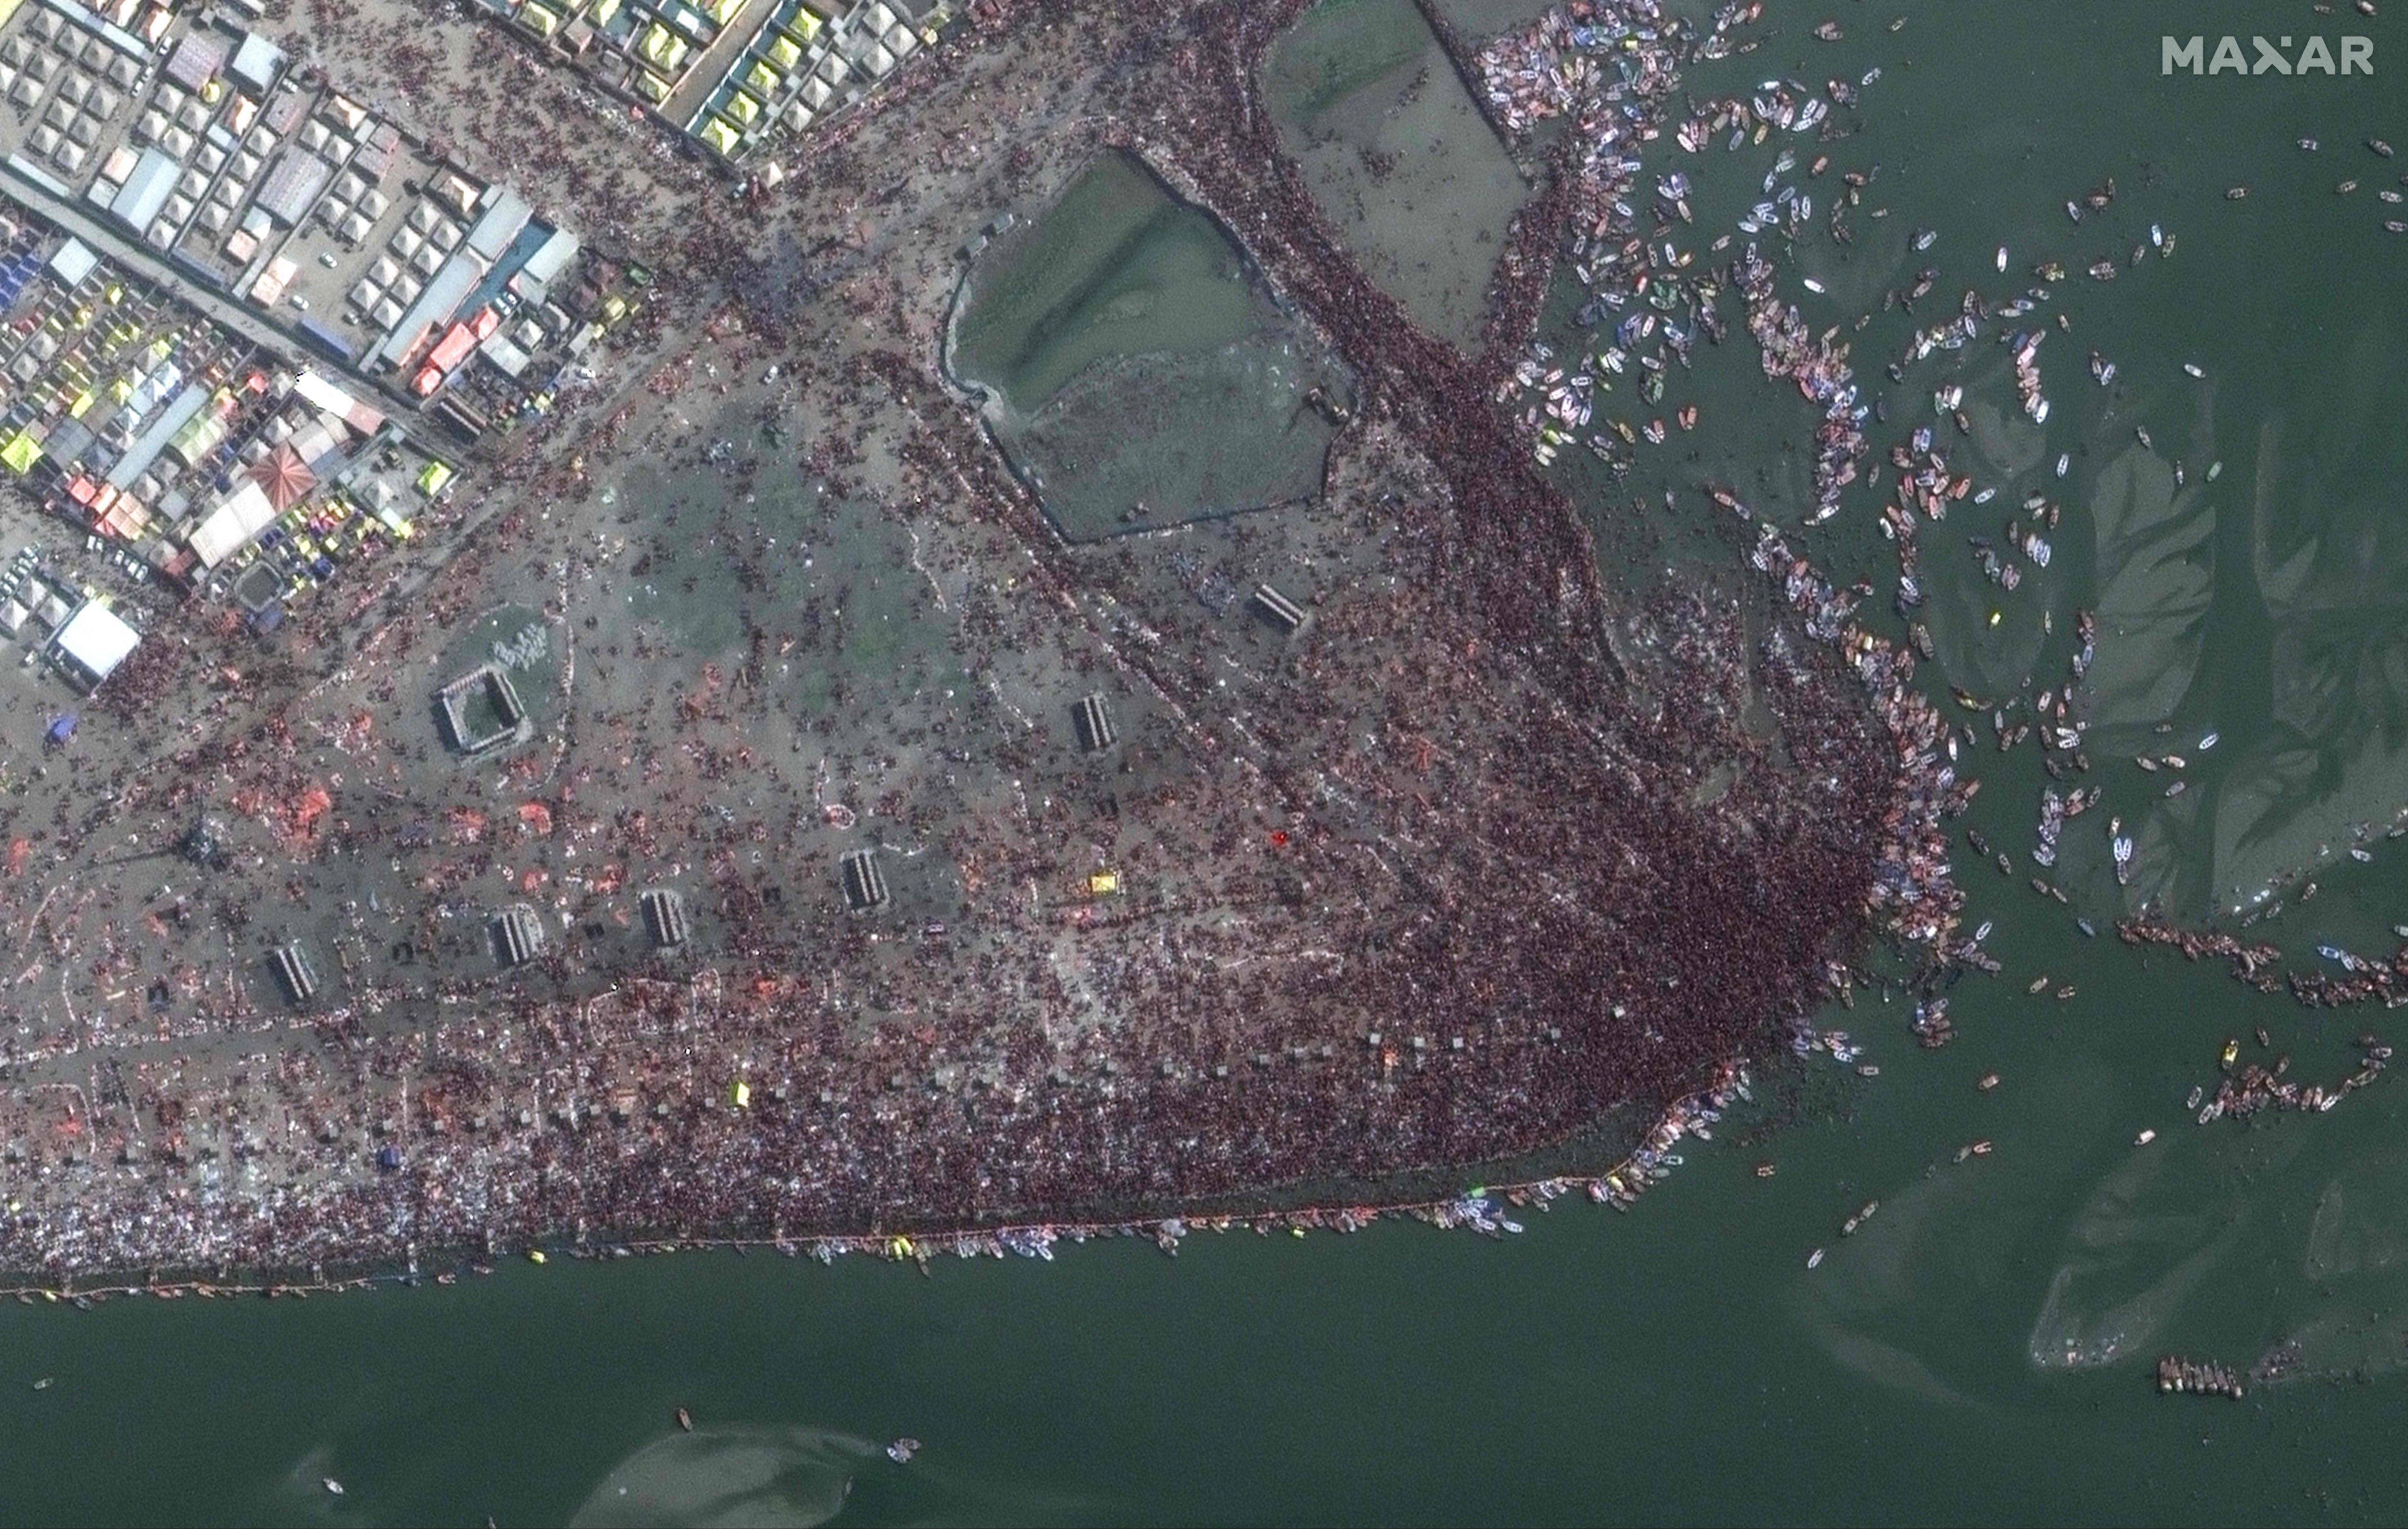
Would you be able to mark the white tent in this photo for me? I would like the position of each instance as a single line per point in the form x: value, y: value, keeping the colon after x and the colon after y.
x: 229, y: 527
x: 96, y: 639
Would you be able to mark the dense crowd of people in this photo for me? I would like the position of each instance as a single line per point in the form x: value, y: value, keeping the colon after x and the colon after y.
x: 1609, y: 888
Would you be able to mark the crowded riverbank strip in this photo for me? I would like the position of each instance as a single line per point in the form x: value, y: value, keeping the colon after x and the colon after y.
x: 530, y: 915
x: 740, y: 817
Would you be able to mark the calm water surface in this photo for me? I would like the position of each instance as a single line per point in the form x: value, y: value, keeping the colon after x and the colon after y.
x: 1980, y: 1350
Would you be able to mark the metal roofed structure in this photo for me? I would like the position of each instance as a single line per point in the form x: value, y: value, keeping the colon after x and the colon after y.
x: 146, y: 190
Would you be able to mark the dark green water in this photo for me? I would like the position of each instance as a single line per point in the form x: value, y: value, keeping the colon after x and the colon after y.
x: 1980, y: 1350
x: 1135, y: 372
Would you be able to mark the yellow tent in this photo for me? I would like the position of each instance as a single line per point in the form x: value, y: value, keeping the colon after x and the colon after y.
x: 741, y: 1092
x: 651, y: 87
x: 664, y: 48
x: 761, y: 80
x: 741, y: 109
x: 784, y: 53
x: 432, y: 477
x: 602, y: 12
x: 724, y: 11
x: 544, y: 21
x: 805, y: 26
x: 720, y: 135
x: 21, y: 452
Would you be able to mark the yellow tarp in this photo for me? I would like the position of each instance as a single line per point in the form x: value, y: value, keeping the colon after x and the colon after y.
x: 82, y: 401
x: 21, y: 452
x: 742, y: 1093
x: 1103, y: 884
x: 432, y: 477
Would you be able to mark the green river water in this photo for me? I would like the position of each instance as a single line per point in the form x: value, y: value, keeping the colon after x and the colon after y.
x: 1981, y: 1349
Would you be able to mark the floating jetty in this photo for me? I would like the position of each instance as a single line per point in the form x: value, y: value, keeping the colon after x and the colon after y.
x: 2196, y: 1377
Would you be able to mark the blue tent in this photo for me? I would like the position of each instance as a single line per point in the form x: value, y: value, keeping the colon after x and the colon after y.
x: 64, y: 728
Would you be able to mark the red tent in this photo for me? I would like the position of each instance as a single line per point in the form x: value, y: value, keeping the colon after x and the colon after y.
x: 286, y: 478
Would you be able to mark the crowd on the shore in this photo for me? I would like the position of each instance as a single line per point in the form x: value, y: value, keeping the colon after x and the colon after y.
x: 1567, y: 923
